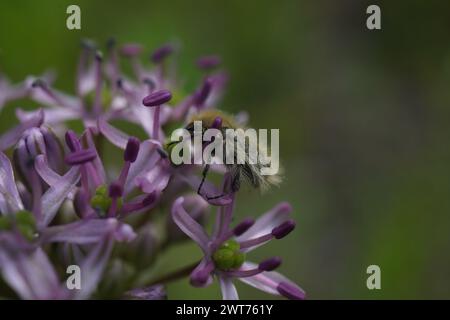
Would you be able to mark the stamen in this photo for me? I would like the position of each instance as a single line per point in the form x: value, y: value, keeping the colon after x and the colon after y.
x: 131, y: 207
x: 256, y: 241
x: 244, y: 273
x: 41, y: 84
x: 150, y: 84
x: 80, y: 157
x: 130, y: 155
x: 161, y: 53
x: 270, y: 264
x: 131, y: 50
x: 88, y: 44
x: 284, y: 229
x: 72, y: 141
x: 266, y: 265
x: 289, y: 291
x: 237, y: 231
x: 278, y: 233
x: 98, y: 83
x: 157, y: 98
x: 208, y: 62
x: 204, y: 92
x: 243, y: 226
x: 119, y: 83
x: 131, y: 150
x: 111, y: 43
x: 115, y: 192
x: 217, y: 123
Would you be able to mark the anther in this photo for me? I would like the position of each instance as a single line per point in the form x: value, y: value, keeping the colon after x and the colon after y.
x: 157, y: 98
x: 283, y: 229
x: 131, y: 150
x: 243, y: 226
x: 80, y: 157
x: 161, y: 53
x: 270, y: 264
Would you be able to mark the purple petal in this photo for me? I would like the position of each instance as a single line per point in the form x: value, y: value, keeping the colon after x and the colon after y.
x: 29, y: 273
x: 189, y: 226
x: 267, y: 222
x: 88, y: 231
x: 55, y: 195
x: 45, y: 172
x: 93, y: 266
x: 11, y: 137
x: 41, y: 97
x: 115, y: 136
x: 156, y: 292
x: 52, y: 116
x: 146, y: 159
x: 197, y: 276
x: 228, y: 289
x: 267, y: 281
x: 8, y: 187
x: 156, y: 179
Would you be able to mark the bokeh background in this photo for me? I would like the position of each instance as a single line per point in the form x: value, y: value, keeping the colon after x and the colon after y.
x: 363, y: 118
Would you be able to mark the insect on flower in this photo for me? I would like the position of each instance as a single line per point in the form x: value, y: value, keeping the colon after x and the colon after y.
x: 245, y: 160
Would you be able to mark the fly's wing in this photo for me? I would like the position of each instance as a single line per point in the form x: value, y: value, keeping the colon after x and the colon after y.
x: 246, y: 162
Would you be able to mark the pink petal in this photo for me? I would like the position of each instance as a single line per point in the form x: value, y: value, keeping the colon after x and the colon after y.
x: 11, y: 137
x: 8, y: 187
x: 55, y: 195
x: 228, y: 289
x: 115, y: 136
x: 188, y: 225
x: 267, y: 281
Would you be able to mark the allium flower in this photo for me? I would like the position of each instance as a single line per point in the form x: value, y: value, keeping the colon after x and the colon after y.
x: 95, y: 94
x: 24, y: 228
x: 225, y: 250
x: 61, y: 205
x: 98, y: 197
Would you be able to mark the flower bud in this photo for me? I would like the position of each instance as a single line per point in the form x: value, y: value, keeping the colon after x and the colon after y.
x: 34, y: 142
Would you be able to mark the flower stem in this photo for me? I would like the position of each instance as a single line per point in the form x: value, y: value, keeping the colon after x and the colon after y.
x: 175, y: 275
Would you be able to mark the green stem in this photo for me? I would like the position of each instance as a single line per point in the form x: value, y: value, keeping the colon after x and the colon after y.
x: 175, y: 275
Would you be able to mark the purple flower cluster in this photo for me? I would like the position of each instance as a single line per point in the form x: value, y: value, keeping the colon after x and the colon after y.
x: 62, y: 204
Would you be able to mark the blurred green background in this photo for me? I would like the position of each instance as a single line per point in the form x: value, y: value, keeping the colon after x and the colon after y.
x: 363, y: 118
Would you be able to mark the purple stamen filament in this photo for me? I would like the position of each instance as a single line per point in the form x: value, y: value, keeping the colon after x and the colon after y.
x: 98, y: 84
x: 256, y: 241
x: 244, y: 273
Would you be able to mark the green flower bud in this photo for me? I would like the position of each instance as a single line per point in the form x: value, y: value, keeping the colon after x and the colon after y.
x: 26, y: 224
x: 5, y: 223
x: 228, y: 256
x: 101, y: 201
